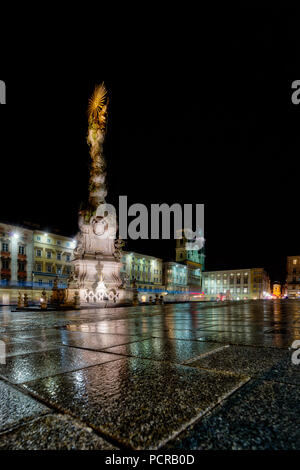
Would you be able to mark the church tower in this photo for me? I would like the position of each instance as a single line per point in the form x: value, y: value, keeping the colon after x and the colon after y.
x: 186, y: 255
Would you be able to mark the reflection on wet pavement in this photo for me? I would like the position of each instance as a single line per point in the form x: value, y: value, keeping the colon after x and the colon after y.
x: 162, y: 349
x: 143, y: 377
x: 138, y: 402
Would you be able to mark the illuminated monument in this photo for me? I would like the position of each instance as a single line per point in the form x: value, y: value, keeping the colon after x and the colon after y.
x: 97, y: 257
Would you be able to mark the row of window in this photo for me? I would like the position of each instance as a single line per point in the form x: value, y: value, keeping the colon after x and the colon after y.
x: 50, y: 269
x: 49, y: 255
x: 232, y: 281
x: 238, y: 290
x: 58, y: 242
x: 5, y: 248
x: 237, y: 277
x: 156, y: 271
x: 145, y: 278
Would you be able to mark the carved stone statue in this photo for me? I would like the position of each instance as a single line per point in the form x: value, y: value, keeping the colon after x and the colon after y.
x: 119, y: 244
x: 97, y: 256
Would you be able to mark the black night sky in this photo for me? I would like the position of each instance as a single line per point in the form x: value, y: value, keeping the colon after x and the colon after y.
x: 185, y: 131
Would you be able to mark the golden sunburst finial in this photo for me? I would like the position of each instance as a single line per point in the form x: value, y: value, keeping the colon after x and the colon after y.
x: 97, y: 103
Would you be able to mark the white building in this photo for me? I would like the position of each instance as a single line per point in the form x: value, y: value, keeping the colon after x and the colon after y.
x: 237, y: 284
x: 176, y: 281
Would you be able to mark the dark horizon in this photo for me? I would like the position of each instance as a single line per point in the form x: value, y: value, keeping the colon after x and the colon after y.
x: 229, y: 141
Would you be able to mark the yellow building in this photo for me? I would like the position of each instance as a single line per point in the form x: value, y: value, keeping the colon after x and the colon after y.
x: 146, y: 271
x: 52, y: 255
x: 277, y: 289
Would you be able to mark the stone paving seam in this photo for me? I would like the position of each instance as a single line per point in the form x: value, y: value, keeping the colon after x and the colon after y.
x: 247, y: 385
x: 165, y: 361
x: 208, y: 353
x: 61, y: 373
x: 77, y: 421
x: 203, y: 414
x: 224, y: 372
x: 19, y: 388
x: 104, y: 349
x: 49, y: 409
x: 107, y: 436
x: 286, y: 348
x: 28, y: 393
x: 19, y: 425
x: 278, y: 382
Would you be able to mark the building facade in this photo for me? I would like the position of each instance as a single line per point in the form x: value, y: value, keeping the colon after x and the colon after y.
x: 176, y: 281
x: 277, y: 289
x: 16, y: 254
x: 238, y: 284
x: 52, y: 255
x: 293, y: 277
x: 30, y: 260
x: 146, y: 271
x: 194, y: 260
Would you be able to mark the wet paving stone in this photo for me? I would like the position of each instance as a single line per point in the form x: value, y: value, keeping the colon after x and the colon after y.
x: 290, y: 331
x: 121, y: 329
x: 162, y: 349
x: 31, y: 333
x: 242, y: 359
x: 139, y: 403
x: 259, y: 416
x: 142, y: 402
x: 243, y: 339
x: 24, y: 368
x: 17, y: 348
x: 176, y: 334
x: 229, y: 328
x: 96, y: 341
x: 285, y: 372
x: 42, y: 333
x: 53, y: 432
x: 17, y: 407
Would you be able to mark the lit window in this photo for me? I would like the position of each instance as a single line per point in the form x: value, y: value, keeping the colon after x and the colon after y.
x: 294, y: 261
